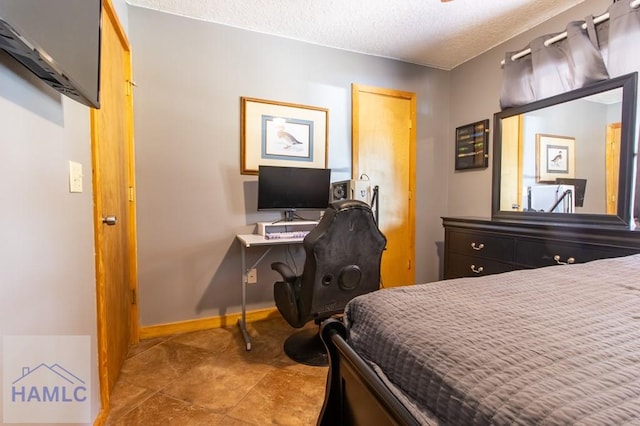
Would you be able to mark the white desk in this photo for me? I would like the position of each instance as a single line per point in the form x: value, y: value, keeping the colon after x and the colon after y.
x: 255, y: 240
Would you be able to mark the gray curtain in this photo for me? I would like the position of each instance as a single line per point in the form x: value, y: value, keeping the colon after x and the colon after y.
x: 623, y: 38
x: 519, y: 74
x: 585, y: 56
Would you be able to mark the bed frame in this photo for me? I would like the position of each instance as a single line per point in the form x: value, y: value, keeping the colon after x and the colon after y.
x: 355, y: 395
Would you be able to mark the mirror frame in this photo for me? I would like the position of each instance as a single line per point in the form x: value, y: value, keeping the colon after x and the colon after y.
x: 628, y: 83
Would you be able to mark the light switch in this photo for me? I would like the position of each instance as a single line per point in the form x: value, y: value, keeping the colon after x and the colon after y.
x: 75, y: 177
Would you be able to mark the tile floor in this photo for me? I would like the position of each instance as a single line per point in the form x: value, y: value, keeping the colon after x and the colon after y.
x: 208, y: 378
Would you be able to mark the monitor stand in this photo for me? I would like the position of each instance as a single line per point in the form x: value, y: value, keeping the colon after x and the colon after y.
x: 289, y: 215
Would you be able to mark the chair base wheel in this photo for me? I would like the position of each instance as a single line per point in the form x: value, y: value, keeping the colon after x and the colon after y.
x: 306, y: 347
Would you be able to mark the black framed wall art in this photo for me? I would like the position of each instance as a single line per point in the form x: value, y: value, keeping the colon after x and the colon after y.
x: 472, y: 145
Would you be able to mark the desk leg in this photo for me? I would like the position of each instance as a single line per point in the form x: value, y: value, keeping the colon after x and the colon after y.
x: 245, y: 334
x: 242, y: 322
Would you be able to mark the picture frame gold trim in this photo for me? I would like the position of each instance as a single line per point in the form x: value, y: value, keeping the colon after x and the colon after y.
x: 276, y: 133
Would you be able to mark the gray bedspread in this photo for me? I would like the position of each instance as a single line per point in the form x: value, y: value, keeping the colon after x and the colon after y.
x: 557, y: 345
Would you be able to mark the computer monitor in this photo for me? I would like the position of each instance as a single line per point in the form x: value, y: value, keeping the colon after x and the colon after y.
x: 293, y: 188
x: 580, y: 186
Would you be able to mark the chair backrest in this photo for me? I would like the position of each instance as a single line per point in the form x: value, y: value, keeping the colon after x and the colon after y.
x: 343, y: 255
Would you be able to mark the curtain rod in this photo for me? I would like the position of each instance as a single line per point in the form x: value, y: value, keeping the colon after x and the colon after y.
x: 563, y: 35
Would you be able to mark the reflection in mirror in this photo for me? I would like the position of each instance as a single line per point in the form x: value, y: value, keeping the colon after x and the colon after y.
x: 570, y: 154
x: 553, y: 145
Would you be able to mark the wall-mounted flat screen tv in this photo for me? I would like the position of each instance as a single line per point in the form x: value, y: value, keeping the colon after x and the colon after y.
x: 57, y: 40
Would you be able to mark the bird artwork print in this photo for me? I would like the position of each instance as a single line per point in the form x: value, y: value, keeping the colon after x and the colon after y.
x: 288, y: 138
x: 556, y: 160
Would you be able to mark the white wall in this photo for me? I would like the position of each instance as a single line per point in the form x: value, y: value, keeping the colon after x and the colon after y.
x: 589, y: 147
x: 475, y: 95
x: 192, y: 199
x: 47, y: 275
x: 47, y: 272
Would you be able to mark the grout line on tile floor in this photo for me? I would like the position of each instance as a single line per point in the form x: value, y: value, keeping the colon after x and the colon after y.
x: 274, y: 363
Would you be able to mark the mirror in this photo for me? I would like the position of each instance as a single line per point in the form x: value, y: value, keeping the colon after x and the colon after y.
x: 568, y: 158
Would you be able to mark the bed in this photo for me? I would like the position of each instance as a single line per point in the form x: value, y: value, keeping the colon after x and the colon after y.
x: 554, y: 345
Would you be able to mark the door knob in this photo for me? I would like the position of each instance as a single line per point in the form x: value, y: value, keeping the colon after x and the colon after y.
x: 110, y: 220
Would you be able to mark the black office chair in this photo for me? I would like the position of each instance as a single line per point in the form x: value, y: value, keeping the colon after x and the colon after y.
x: 343, y: 254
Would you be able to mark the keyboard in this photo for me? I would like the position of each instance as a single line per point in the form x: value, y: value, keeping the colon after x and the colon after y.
x: 285, y: 235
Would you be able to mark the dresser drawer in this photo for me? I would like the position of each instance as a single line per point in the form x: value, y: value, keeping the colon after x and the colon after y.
x: 534, y: 253
x: 479, y: 244
x: 460, y: 265
x: 501, y: 245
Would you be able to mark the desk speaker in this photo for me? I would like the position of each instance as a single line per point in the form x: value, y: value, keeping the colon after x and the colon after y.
x: 351, y: 189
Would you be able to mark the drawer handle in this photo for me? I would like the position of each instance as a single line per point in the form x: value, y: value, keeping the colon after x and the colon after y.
x: 476, y: 270
x: 477, y: 247
x: 569, y: 261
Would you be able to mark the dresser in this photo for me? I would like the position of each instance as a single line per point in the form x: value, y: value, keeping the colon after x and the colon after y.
x: 479, y: 246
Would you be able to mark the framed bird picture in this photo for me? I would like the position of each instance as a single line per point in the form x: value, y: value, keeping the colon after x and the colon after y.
x: 282, y: 134
x: 555, y: 157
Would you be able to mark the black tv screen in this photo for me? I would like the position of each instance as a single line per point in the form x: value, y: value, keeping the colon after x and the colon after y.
x: 293, y: 188
x: 57, y: 40
x: 580, y: 186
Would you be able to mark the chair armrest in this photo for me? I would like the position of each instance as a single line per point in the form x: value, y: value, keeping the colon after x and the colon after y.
x: 283, y: 269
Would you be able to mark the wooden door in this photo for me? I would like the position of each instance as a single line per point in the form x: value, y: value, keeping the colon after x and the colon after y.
x: 113, y: 172
x: 511, y: 168
x: 384, y: 150
x: 612, y: 167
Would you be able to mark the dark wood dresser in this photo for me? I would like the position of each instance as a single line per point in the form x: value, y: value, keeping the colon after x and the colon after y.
x: 477, y: 246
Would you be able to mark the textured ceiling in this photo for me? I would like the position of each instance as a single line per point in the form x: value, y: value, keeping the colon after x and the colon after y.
x: 426, y: 32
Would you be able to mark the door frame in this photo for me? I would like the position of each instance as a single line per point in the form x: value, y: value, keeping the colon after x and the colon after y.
x: 109, y: 12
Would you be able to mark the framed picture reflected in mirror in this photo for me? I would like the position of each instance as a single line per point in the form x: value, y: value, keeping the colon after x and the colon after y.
x: 555, y: 157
